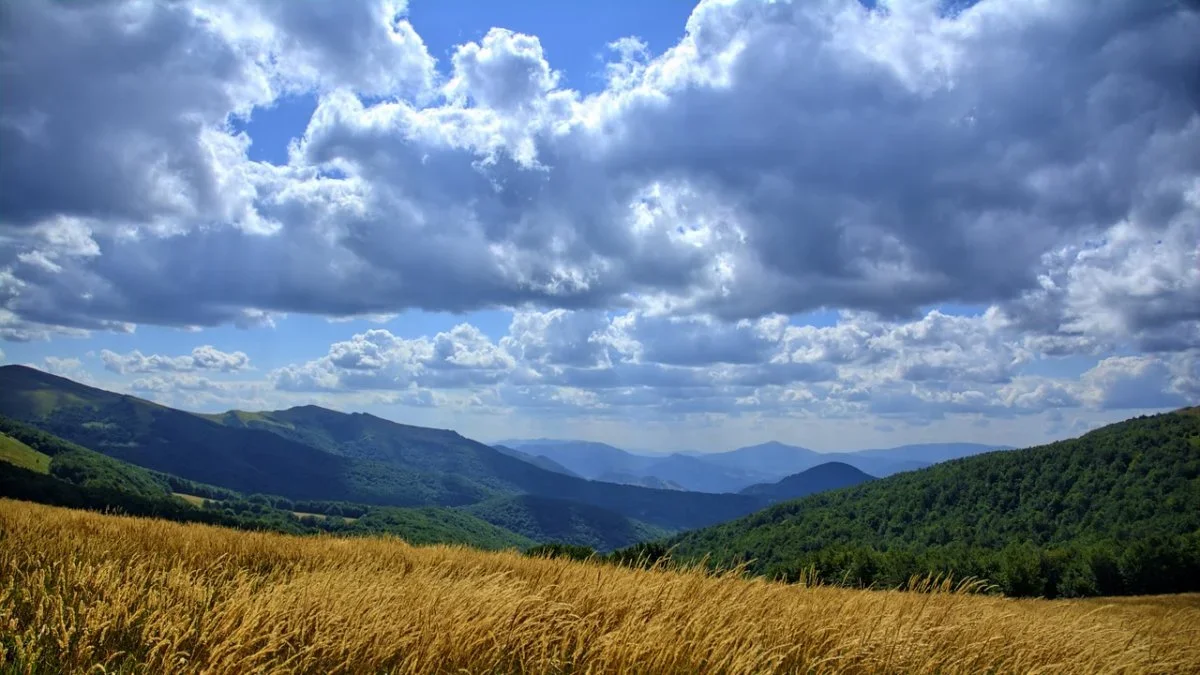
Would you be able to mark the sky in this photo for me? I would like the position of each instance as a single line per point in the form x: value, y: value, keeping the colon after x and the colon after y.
x: 834, y: 223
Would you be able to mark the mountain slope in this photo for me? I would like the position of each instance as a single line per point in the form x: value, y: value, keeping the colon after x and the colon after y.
x: 1076, y: 506
x: 820, y: 478
x: 17, y: 453
x: 695, y: 473
x: 81, y: 478
x: 317, y: 454
x: 446, y: 453
x: 248, y: 460
x: 585, y: 458
x: 541, y: 461
x: 930, y: 453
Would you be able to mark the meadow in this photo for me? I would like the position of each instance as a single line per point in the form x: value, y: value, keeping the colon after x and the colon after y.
x: 86, y: 592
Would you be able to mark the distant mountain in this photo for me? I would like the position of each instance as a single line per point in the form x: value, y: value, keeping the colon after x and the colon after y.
x: 696, y: 473
x: 309, y: 452
x: 588, y: 459
x: 776, y: 460
x: 600, y: 461
x: 820, y: 478
x: 767, y: 459
x: 930, y: 453
x: 734, y: 470
x: 539, y: 460
x: 1114, y: 511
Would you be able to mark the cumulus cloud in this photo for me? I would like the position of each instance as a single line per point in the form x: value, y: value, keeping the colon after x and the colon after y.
x: 1122, y: 382
x: 181, y: 382
x: 781, y: 157
x: 65, y: 367
x: 631, y: 366
x: 377, y: 359
x: 205, y: 357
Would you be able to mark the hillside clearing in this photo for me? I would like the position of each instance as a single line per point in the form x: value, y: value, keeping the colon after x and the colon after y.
x: 86, y: 589
x: 321, y: 516
x: 196, y: 500
x: 16, y: 452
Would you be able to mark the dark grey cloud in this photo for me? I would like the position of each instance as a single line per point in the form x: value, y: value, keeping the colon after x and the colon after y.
x: 104, y: 109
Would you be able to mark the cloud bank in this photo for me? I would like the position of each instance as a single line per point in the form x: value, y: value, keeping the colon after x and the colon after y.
x: 1036, y: 160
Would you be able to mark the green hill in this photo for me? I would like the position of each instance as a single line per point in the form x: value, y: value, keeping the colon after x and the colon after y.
x: 78, y: 465
x: 1114, y: 511
x: 172, y: 441
x: 80, y: 478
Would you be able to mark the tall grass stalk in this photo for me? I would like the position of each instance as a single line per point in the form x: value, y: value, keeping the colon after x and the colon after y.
x: 85, y: 592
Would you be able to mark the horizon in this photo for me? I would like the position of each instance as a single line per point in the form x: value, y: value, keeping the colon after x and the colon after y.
x: 677, y: 227
x: 519, y: 441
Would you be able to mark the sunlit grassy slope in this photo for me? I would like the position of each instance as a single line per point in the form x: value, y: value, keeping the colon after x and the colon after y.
x: 80, y: 589
x: 16, y: 452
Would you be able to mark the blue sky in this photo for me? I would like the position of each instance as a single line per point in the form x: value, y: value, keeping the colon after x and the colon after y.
x: 665, y: 225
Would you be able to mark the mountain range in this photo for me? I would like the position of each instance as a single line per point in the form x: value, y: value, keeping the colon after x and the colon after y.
x: 310, y: 453
x: 607, y: 497
x: 735, y: 470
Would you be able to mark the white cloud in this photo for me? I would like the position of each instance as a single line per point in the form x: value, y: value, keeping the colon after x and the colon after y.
x: 377, y: 359
x: 1122, y: 382
x: 178, y: 382
x: 631, y: 366
x: 204, y: 357
x: 65, y: 367
x: 504, y: 71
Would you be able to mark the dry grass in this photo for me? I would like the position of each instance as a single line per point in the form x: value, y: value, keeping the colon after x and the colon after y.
x: 320, y: 516
x: 194, y: 500
x: 83, y: 592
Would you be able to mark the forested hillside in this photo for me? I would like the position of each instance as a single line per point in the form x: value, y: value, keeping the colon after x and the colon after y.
x: 80, y: 478
x: 1114, y: 511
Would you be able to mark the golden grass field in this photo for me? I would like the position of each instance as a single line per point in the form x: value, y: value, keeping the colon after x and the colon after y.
x: 84, y: 592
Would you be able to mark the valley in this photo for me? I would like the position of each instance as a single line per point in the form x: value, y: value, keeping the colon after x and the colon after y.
x: 931, y: 550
